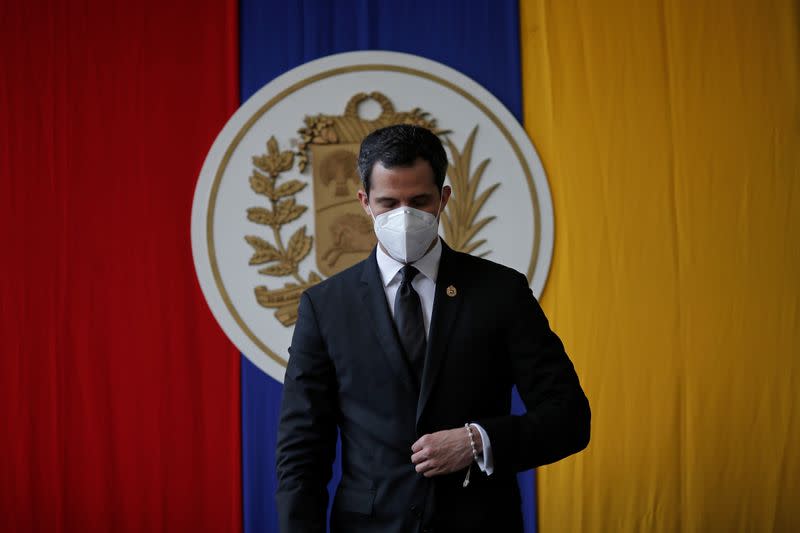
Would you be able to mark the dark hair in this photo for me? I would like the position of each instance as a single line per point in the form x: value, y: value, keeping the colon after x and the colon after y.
x: 400, y: 146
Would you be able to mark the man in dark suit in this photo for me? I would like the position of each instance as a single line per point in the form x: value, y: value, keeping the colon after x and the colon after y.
x: 412, y: 355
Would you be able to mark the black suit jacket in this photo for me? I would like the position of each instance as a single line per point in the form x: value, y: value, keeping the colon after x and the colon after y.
x: 347, y: 369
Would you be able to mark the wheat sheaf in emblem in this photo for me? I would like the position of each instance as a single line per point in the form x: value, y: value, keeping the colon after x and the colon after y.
x: 344, y: 233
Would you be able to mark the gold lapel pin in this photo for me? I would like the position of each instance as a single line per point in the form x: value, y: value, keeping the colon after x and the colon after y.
x: 451, y: 291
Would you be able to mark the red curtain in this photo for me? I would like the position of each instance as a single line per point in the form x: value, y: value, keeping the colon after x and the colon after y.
x: 119, y: 395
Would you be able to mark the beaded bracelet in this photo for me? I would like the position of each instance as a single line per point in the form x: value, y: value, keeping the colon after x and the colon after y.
x: 472, y: 442
x: 474, y: 453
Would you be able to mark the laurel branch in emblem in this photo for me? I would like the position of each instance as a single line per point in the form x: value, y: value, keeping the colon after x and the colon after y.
x: 350, y: 235
x: 281, y: 259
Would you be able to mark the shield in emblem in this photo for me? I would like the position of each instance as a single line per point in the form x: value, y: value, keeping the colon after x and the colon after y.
x: 343, y: 231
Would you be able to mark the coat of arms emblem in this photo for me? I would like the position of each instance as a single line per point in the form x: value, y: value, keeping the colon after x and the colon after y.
x: 276, y: 210
x: 344, y: 234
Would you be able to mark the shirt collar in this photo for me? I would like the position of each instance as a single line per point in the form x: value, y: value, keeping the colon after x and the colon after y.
x: 428, y: 264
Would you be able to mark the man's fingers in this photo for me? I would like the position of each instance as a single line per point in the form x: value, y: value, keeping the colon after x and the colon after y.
x: 427, y: 468
x: 417, y: 446
x: 437, y: 453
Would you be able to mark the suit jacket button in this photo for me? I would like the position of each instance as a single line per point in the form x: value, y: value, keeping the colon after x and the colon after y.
x: 415, y: 510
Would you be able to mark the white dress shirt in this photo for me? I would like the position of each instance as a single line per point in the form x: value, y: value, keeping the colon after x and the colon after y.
x: 425, y: 285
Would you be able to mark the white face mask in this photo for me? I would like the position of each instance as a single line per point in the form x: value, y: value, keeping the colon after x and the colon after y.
x: 405, y: 232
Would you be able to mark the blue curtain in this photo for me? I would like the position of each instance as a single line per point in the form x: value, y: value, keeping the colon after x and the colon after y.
x: 479, y: 38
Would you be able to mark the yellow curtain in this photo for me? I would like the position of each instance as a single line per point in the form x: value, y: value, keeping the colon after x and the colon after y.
x: 670, y: 132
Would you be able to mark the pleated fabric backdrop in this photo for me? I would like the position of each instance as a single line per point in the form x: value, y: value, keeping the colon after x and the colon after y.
x: 670, y: 132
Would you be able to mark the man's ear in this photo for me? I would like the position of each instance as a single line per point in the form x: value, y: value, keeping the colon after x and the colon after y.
x: 446, y: 191
x: 363, y: 199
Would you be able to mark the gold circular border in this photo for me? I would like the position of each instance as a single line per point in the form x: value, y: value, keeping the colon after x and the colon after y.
x: 312, y: 79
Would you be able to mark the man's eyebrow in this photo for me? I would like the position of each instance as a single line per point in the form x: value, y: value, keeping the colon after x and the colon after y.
x: 418, y: 197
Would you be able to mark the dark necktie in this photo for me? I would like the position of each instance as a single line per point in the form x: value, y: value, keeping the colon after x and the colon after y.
x: 410, y: 324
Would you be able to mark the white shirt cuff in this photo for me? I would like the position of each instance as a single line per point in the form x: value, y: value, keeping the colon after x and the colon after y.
x: 486, y: 460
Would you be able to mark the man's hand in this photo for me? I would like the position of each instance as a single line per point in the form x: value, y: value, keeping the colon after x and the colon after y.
x: 444, y: 452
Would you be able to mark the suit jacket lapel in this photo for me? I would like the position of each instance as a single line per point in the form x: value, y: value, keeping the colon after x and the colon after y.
x: 380, y: 321
x: 443, y: 317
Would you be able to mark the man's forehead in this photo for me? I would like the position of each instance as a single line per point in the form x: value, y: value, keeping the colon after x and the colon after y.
x: 399, y: 175
x: 418, y: 162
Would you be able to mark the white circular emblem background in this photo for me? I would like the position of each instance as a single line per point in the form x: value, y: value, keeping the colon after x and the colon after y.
x: 521, y: 235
